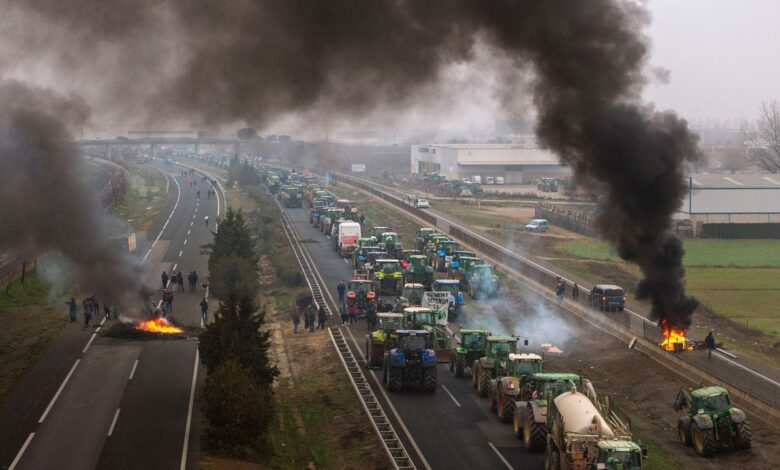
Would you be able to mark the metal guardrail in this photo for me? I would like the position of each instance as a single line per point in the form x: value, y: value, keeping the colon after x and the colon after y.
x: 379, y: 421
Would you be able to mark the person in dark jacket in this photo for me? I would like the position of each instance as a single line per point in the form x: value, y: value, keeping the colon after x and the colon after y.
x: 204, y: 310
x: 72, y: 309
x: 87, y: 312
x: 310, y: 318
x: 341, y: 288
x: 321, y: 317
x: 180, y: 281
x: 709, y: 341
x: 296, y: 319
x: 164, y: 278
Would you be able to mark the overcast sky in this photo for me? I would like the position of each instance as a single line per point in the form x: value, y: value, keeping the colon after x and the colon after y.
x: 723, y: 55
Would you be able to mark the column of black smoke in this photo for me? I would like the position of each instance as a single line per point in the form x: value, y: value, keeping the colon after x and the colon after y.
x: 44, y: 203
x: 255, y: 59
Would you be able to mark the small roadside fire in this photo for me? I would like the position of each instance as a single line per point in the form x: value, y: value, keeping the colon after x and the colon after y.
x: 158, y: 325
x: 675, y: 340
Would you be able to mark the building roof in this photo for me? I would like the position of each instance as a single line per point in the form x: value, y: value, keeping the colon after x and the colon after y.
x: 735, y: 181
x: 499, y: 154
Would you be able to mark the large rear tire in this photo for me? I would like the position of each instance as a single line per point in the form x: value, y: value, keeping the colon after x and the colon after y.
x: 475, y: 374
x: 375, y: 354
x: 684, y: 431
x: 506, y: 407
x: 517, y: 426
x: 429, y: 379
x: 483, y: 382
x: 394, y: 379
x: 534, y: 434
x: 703, y: 440
x: 744, y: 435
x: 460, y: 365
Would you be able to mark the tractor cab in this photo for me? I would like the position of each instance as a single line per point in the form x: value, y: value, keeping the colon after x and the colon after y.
x: 377, y: 232
x: 459, y: 266
x: 712, y: 421
x: 523, y: 367
x: 405, y: 254
x: 445, y: 250
x: 482, y: 281
x: 452, y: 286
x: 360, y: 292
x: 387, y: 276
x: 500, y: 347
x: 423, y: 237
x: 390, y: 242
x: 418, y: 317
x: 418, y: 271
x: 411, y: 295
x: 618, y: 454
x: 547, y: 385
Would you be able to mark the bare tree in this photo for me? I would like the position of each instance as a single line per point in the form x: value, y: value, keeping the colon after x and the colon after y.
x: 764, y: 150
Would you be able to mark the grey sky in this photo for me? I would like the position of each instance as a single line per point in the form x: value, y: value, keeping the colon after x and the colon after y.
x: 723, y: 55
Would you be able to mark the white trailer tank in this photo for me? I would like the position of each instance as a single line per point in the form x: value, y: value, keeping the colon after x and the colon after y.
x: 578, y: 415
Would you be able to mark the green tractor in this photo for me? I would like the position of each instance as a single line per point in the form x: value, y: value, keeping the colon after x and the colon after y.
x: 459, y: 266
x: 472, y: 346
x: 419, y: 271
x: 377, y: 232
x: 411, y: 296
x: 530, y: 416
x: 359, y: 256
x: 424, y: 237
x: 383, y: 338
x: 493, y: 363
x: 332, y: 216
x: 273, y: 184
x: 291, y: 197
x: 422, y: 318
x: 391, y: 243
x: 387, y: 276
x: 712, y: 422
x: 482, y: 281
x: 505, y: 389
x: 410, y: 362
x: 445, y: 250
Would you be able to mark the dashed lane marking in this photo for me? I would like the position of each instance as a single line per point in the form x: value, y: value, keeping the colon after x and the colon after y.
x: 180, y: 252
x: 113, y: 423
x: 21, y: 451
x: 132, y: 372
x: 57, y: 395
x: 500, y: 456
x: 189, y: 414
x: 457, y: 403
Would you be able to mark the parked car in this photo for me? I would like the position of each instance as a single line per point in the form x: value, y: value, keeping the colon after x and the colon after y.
x: 607, y: 297
x: 422, y: 204
x: 499, y: 180
x: 537, y: 225
x: 490, y: 180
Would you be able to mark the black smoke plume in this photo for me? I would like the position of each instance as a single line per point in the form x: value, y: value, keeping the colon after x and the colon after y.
x: 253, y: 60
x: 44, y: 203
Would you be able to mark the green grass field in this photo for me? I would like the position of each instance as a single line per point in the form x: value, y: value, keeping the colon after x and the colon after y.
x: 736, y: 279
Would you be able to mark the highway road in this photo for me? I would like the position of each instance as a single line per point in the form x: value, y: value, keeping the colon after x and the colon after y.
x: 98, y: 402
x: 449, y: 429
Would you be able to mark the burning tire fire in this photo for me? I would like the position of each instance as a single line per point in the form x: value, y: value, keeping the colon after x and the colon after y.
x: 158, y: 325
x: 675, y: 340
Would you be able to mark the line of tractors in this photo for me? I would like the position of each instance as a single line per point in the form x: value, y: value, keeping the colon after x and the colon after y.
x: 408, y: 297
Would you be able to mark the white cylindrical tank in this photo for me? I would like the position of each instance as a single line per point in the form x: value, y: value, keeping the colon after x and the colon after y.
x: 578, y: 413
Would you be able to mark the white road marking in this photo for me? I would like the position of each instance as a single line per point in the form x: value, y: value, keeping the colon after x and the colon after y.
x: 733, y: 181
x: 345, y: 260
x: 132, y: 372
x: 174, y: 268
x: 21, y: 451
x: 192, y: 222
x: 457, y: 403
x: 180, y: 252
x: 193, y: 216
x: 499, y: 455
x: 771, y: 180
x: 92, y: 338
x: 178, y: 196
x: 189, y: 414
x: 185, y: 241
x: 59, y: 390
x: 113, y: 423
x: 188, y: 232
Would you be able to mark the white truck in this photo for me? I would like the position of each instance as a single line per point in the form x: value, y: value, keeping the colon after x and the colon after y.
x: 349, y: 233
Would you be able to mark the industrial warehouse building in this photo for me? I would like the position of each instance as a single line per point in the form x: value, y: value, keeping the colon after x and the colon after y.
x: 733, y: 205
x: 517, y: 164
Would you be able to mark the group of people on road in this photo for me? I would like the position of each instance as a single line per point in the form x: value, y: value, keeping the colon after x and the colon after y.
x: 176, y: 280
x: 560, y: 290
x: 91, y: 307
x: 309, y: 316
x: 348, y: 312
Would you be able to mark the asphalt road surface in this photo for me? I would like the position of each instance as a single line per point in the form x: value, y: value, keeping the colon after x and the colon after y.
x: 452, y: 428
x: 99, y: 402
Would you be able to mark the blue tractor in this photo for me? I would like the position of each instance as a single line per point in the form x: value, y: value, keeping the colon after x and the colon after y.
x: 411, y: 362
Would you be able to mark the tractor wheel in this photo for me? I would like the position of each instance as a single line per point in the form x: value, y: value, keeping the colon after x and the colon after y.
x: 460, y: 365
x: 744, y: 435
x: 429, y: 379
x: 517, y: 426
x: 394, y: 379
x: 491, y: 399
x: 684, y: 431
x: 375, y: 353
x: 552, y: 459
x: 534, y: 434
x: 506, y: 407
x: 483, y: 382
x: 703, y: 440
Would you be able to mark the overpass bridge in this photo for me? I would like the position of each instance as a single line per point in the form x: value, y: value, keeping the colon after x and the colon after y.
x: 156, y: 142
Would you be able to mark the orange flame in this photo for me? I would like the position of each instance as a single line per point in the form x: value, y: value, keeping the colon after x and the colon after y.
x: 674, y: 336
x: 159, y: 325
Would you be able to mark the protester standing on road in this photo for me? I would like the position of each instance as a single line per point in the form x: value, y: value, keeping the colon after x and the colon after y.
x: 106, y: 311
x: 72, y: 309
x: 296, y: 319
x: 164, y: 279
x: 198, y: 193
x: 352, y: 314
x: 575, y: 292
x: 321, y: 317
x: 341, y: 288
x: 87, y: 312
x: 310, y: 318
x: 180, y: 280
x: 343, y: 312
x: 709, y: 341
x: 204, y: 310
x: 194, y: 281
